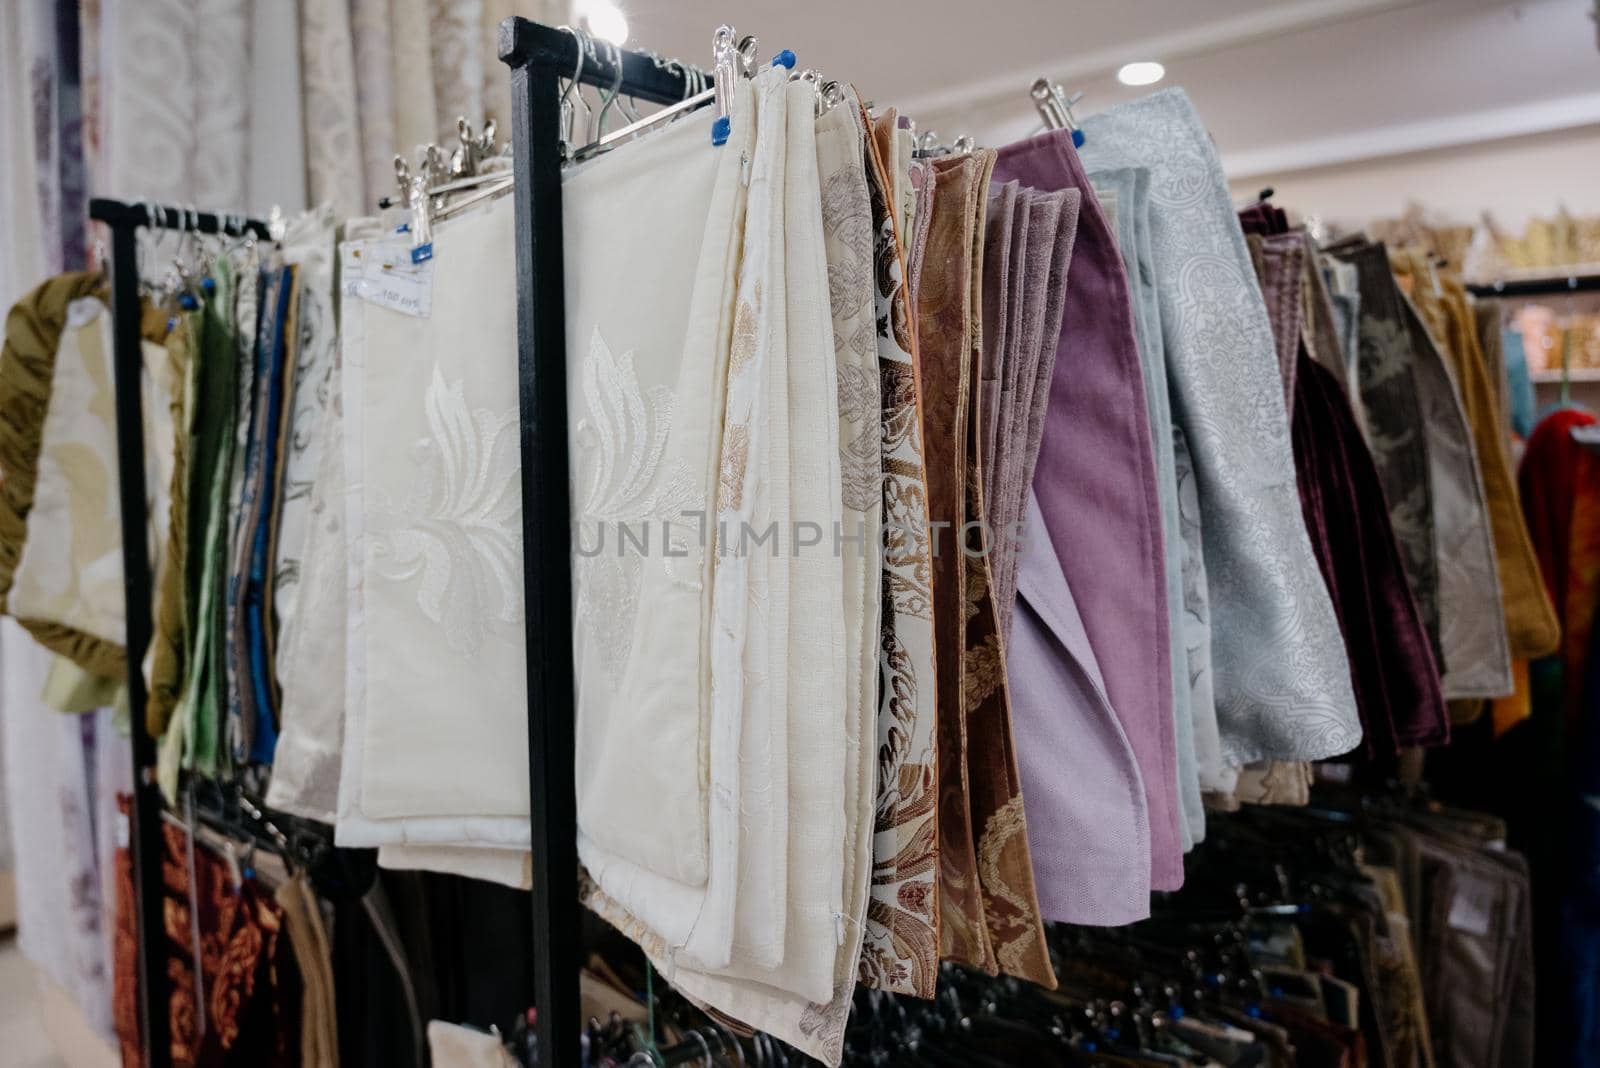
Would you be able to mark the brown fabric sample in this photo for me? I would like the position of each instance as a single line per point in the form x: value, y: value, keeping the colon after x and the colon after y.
x: 941, y: 288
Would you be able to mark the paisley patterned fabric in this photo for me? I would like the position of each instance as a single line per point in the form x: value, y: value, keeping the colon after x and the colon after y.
x: 1281, y: 679
x: 901, y: 947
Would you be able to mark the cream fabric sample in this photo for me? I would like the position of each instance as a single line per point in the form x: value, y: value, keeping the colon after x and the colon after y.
x: 658, y: 770
x: 435, y: 734
x: 70, y: 571
x: 333, y: 132
x: 769, y: 1001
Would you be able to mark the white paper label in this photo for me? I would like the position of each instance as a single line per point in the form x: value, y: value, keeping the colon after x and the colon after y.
x: 1472, y: 907
x: 122, y: 831
x: 385, y: 275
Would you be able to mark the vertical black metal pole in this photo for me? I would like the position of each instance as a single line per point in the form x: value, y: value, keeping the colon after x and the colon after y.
x: 145, y: 827
x: 546, y: 538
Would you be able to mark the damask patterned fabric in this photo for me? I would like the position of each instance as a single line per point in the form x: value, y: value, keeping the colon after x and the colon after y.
x: 1097, y: 454
x: 431, y: 524
x: 1281, y: 680
x: 1387, y: 377
x: 333, y: 140
x: 647, y: 392
x: 901, y: 947
x: 243, y: 1006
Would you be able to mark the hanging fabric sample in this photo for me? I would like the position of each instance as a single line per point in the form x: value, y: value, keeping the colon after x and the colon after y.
x: 901, y: 945
x: 941, y: 288
x: 431, y: 523
x: 647, y: 393
x: 1282, y: 682
x: 999, y: 823
x: 824, y: 168
x: 1395, y: 429
x: 1125, y: 198
x: 1531, y: 624
x: 1097, y: 448
x: 63, y: 542
x: 1475, y: 656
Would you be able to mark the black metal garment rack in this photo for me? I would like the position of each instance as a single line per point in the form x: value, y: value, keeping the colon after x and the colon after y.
x: 540, y: 58
x: 144, y: 837
x: 1553, y: 286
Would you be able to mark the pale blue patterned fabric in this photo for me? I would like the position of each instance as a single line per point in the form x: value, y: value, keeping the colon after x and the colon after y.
x: 1282, y: 681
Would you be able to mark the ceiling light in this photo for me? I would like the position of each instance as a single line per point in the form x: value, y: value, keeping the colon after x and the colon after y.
x: 605, y: 20
x: 1145, y: 72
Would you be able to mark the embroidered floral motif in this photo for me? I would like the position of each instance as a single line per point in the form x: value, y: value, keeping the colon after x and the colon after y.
x: 458, y: 529
x: 625, y: 485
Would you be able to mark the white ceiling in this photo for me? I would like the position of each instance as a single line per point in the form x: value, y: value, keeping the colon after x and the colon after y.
x: 1283, y: 84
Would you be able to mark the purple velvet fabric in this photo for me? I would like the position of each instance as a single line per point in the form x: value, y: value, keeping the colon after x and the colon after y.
x: 1096, y: 489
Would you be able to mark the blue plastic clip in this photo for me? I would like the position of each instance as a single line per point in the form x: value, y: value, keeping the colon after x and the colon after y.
x: 721, y: 129
x: 403, y: 228
x: 208, y: 283
x: 784, y: 59
x: 1077, y: 138
x: 422, y: 253
x: 1176, y: 1011
x: 187, y: 302
x: 1253, y: 1011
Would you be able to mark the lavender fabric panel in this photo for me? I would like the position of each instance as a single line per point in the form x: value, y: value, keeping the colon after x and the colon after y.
x: 1096, y: 486
x: 1088, y: 827
x: 1281, y: 677
x: 1130, y: 191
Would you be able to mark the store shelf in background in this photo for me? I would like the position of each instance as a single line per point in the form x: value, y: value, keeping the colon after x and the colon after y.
x: 1577, y: 374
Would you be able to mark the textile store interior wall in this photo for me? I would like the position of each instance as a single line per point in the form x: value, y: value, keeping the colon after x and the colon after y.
x: 1383, y: 485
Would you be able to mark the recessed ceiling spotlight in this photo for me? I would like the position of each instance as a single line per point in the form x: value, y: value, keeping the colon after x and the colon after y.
x: 605, y: 20
x: 1145, y: 72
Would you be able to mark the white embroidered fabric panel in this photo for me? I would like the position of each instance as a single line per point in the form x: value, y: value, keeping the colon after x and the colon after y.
x: 435, y: 741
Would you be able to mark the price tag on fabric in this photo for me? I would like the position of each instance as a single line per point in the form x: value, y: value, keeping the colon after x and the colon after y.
x: 386, y: 275
x: 1472, y: 905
